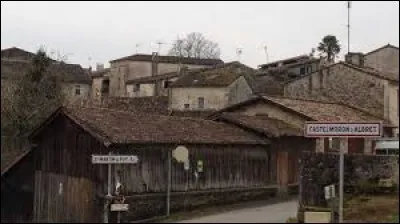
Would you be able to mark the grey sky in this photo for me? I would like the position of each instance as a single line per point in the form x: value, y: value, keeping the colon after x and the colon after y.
x: 108, y: 30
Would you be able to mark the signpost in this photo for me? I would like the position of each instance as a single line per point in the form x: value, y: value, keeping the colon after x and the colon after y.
x: 109, y: 160
x: 345, y: 130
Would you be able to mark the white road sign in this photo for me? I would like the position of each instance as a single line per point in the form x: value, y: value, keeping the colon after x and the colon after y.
x: 337, y: 129
x: 119, y: 207
x: 114, y: 159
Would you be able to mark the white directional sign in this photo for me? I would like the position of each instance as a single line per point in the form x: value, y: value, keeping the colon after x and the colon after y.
x: 119, y: 207
x: 114, y: 159
x: 337, y: 129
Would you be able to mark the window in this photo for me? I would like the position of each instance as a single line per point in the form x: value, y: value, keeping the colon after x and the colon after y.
x: 186, y: 105
x: 105, y: 87
x: 136, y: 88
x: 167, y: 83
x: 201, y: 102
x: 77, y: 90
x: 309, y: 69
x: 334, y: 143
x: 302, y: 71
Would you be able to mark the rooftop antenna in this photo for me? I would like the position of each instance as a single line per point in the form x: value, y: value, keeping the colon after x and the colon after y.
x: 266, y: 53
x: 239, y: 52
x: 137, y: 48
x: 348, y: 26
x: 159, y: 46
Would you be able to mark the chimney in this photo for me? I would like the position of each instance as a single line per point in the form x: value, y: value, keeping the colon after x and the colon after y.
x: 99, y: 67
x: 355, y: 59
x: 154, y: 63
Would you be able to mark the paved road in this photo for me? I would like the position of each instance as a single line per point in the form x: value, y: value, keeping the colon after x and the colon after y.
x: 277, y: 213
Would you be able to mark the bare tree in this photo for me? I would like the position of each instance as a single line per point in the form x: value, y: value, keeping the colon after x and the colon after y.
x: 32, y: 96
x: 195, y: 45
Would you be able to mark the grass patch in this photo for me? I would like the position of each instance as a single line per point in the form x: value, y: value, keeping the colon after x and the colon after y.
x: 372, y: 208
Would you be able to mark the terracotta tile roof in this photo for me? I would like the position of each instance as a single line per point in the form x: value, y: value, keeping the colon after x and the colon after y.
x: 262, y: 124
x: 147, y: 105
x: 220, y: 76
x: 70, y: 72
x: 16, y: 53
x: 194, y: 113
x: 152, y: 79
x: 13, y: 68
x: 120, y: 127
x: 300, y: 57
x: 323, y: 111
x: 170, y: 59
x: 309, y: 109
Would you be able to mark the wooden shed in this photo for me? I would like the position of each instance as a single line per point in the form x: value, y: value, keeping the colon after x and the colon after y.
x: 69, y: 188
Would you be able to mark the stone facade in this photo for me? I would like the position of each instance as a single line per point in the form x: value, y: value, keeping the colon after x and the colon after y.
x: 321, y: 169
x: 122, y: 71
x: 343, y: 84
x: 75, y: 92
x: 350, y: 86
x: 385, y: 59
x: 215, y: 98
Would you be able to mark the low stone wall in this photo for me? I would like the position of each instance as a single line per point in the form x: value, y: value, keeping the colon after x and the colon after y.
x: 152, y: 205
x: 362, y: 174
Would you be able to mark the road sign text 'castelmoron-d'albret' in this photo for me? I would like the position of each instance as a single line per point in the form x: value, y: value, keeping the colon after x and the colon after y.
x: 320, y: 129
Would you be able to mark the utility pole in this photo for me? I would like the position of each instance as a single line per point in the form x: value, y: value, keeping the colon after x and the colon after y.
x: 341, y: 159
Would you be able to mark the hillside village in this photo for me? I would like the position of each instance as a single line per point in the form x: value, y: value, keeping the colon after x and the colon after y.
x: 243, y: 127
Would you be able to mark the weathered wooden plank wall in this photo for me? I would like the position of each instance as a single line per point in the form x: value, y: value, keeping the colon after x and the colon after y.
x: 66, y: 182
x: 223, y: 167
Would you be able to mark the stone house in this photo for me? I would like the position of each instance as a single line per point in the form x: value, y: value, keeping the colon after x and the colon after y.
x: 157, y: 85
x: 355, y: 84
x: 295, y: 112
x: 212, y: 89
x: 143, y: 65
x: 15, y: 62
x: 294, y: 67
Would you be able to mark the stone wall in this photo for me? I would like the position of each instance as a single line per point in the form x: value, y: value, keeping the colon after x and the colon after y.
x: 360, y: 172
x: 343, y: 84
x: 152, y: 205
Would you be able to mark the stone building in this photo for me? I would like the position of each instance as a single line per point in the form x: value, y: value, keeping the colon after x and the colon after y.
x: 368, y: 82
x: 295, y: 112
x: 15, y: 62
x: 142, y: 65
x: 212, y: 89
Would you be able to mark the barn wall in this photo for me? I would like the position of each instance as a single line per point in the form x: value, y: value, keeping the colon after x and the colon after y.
x: 223, y: 167
x: 65, y: 189
x: 17, y: 187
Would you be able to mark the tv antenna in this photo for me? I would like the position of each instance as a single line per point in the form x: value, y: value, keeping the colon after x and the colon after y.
x: 266, y: 53
x: 137, y: 48
x: 348, y: 26
x: 239, y: 52
x: 160, y: 43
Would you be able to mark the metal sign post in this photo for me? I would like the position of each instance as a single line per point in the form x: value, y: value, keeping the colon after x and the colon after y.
x: 343, y: 130
x: 109, y: 160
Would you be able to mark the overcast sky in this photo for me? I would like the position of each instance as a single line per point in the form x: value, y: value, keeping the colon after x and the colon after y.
x: 104, y: 31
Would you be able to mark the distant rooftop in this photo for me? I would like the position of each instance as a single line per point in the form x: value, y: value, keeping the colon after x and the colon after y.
x: 170, y: 59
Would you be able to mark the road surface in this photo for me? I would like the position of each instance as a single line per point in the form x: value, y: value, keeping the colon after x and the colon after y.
x: 277, y: 213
